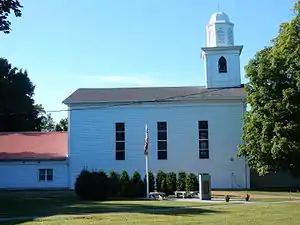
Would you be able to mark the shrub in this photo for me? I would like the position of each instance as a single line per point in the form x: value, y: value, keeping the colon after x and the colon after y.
x: 181, y: 181
x: 137, y: 185
x: 161, y: 181
x: 151, y: 182
x: 163, y: 185
x: 82, y: 184
x: 114, y: 188
x: 191, y: 182
x: 125, y: 187
x: 92, y: 185
x: 171, y: 180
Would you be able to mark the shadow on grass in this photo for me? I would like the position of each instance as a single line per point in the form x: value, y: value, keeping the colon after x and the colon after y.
x: 47, y: 204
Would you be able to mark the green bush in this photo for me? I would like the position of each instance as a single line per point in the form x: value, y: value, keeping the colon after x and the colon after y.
x: 82, y: 184
x: 138, y: 187
x: 92, y: 185
x: 151, y: 182
x: 114, y: 187
x: 161, y: 181
x: 191, y: 182
x: 171, y: 181
x: 181, y: 181
x: 125, y: 184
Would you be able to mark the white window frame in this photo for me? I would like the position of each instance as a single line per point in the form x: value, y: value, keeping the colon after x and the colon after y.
x: 46, y: 171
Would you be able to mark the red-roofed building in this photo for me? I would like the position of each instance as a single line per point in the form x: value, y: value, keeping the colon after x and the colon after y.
x: 34, y: 160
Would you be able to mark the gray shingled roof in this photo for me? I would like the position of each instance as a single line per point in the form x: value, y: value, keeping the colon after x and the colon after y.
x: 89, y: 95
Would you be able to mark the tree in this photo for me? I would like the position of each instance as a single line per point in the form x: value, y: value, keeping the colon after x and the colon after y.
x: 62, y: 125
x: 17, y: 109
x: 160, y: 180
x: 181, y: 181
x: 6, y: 6
x: 191, y: 183
x: 171, y: 181
x: 125, y: 184
x: 151, y: 181
x: 114, y: 188
x: 272, y: 125
x: 47, y: 122
x: 137, y: 185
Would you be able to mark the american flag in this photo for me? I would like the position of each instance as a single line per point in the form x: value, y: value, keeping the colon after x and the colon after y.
x: 146, y: 141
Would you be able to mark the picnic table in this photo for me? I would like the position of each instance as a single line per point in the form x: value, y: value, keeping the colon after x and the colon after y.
x: 157, y: 195
x: 186, y: 194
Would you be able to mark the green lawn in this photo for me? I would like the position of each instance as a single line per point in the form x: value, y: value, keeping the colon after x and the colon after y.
x: 18, y: 204
x: 51, y: 207
x: 230, y: 214
x: 241, y: 193
x: 268, y: 199
x: 276, y: 193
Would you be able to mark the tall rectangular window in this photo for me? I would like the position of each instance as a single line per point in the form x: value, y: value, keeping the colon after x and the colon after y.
x: 203, y: 139
x: 120, y: 141
x: 45, y: 174
x: 162, y: 140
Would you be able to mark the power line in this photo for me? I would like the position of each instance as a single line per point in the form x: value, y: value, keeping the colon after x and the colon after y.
x: 167, y: 99
x: 158, y: 100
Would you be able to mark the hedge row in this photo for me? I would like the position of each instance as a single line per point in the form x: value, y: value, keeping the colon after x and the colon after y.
x: 97, y: 185
x: 170, y: 182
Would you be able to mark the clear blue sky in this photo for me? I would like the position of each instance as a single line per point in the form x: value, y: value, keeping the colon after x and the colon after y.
x: 67, y: 44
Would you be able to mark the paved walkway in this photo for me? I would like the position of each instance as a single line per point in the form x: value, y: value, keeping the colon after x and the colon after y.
x: 151, y: 210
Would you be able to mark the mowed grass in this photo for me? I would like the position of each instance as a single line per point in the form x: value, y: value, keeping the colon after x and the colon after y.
x: 16, y: 204
x: 257, y: 194
x: 65, y: 208
x: 259, y: 214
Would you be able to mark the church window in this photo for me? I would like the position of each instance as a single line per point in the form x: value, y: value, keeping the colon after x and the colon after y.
x: 203, y: 139
x: 120, y: 141
x: 162, y: 140
x: 222, y: 65
x: 45, y: 174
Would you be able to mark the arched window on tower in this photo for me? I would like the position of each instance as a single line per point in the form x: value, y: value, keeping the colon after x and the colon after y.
x: 222, y: 65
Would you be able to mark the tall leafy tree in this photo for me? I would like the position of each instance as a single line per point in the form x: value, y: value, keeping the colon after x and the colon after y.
x: 17, y: 109
x: 272, y: 125
x: 62, y: 125
x: 6, y: 8
x: 47, y: 123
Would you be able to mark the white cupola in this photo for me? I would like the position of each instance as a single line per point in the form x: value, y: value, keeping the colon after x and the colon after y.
x: 219, y: 31
x: 221, y: 57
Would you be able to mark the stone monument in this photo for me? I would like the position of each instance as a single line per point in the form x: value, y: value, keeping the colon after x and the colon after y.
x: 204, y: 186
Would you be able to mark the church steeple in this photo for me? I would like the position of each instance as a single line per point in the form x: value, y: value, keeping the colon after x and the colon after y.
x: 221, y: 56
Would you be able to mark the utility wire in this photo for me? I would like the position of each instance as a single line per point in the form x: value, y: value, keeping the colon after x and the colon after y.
x: 158, y: 100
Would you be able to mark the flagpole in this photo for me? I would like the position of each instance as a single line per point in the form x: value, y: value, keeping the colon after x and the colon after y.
x: 147, y: 175
x: 146, y: 152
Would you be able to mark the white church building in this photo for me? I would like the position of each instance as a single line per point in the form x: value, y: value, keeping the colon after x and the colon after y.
x: 191, y: 128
